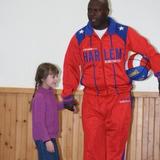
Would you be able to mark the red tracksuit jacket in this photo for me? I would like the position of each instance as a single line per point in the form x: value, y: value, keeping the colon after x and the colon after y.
x: 100, y: 63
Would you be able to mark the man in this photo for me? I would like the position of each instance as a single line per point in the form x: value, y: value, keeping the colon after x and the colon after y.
x: 96, y: 57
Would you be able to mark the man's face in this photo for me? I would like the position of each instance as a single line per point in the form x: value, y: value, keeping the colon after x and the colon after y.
x: 97, y: 14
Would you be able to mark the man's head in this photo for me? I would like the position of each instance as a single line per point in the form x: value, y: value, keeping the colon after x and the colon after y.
x: 98, y: 11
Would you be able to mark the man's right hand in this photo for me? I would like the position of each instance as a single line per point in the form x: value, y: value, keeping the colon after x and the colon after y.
x: 70, y: 103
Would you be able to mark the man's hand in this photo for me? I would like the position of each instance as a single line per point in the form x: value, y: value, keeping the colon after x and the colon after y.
x: 70, y: 103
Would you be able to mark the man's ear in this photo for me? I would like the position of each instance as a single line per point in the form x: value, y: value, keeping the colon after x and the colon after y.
x: 107, y: 11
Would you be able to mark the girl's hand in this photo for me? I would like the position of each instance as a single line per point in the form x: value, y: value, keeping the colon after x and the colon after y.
x: 49, y: 146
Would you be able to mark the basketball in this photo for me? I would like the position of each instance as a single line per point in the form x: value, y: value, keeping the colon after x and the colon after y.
x: 138, y: 67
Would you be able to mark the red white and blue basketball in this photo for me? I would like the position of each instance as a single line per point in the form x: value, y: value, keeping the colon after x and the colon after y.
x: 138, y: 67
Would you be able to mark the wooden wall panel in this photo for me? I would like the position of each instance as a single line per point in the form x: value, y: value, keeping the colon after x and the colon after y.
x: 144, y: 142
x: 16, y: 138
x: 2, y: 124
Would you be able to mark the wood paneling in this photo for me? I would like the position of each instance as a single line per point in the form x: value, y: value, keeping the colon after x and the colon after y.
x: 16, y: 138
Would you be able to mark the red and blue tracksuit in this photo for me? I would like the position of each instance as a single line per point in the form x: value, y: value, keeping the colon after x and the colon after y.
x: 99, y: 64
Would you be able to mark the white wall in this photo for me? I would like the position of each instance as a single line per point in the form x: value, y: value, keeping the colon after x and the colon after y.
x: 35, y: 31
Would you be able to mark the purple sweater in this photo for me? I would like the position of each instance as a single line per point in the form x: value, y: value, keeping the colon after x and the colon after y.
x: 45, y: 108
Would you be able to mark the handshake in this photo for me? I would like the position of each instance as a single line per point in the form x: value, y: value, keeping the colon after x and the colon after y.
x: 70, y: 103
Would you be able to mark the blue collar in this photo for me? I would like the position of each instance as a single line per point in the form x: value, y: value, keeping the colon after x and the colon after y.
x: 111, y: 27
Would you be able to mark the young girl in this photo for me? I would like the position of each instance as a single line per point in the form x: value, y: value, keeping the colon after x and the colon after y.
x: 45, y: 112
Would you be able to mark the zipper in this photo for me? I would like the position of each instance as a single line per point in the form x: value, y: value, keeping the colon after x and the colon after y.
x: 102, y: 61
x: 114, y: 71
x: 94, y: 70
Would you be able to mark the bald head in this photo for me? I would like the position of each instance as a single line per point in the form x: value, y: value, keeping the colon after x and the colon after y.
x: 98, y: 11
x: 104, y: 3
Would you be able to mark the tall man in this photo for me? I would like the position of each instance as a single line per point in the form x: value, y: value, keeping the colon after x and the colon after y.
x: 96, y: 57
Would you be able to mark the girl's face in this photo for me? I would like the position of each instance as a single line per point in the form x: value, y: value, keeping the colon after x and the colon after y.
x: 50, y: 81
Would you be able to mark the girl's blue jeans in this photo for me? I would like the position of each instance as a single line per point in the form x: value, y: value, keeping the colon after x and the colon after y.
x: 43, y: 154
